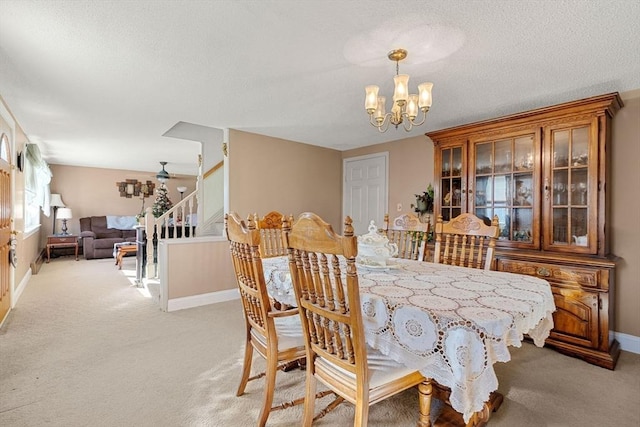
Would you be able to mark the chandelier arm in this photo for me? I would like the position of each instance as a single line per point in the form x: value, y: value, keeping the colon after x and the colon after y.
x: 407, y: 124
x: 424, y: 118
x: 385, y: 120
x: 384, y: 126
x: 373, y: 122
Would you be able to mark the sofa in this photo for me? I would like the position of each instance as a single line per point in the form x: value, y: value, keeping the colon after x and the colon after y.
x: 98, y: 238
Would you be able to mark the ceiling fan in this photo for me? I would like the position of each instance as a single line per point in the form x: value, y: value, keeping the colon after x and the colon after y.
x: 163, y: 175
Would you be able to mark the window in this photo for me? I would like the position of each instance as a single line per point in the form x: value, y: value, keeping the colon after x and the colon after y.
x: 36, y: 187
x: 4, y: 147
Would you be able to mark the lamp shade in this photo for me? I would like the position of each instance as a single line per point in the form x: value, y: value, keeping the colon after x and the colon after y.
x: 371, y: 98
x: 56, y: 201
x: 424, y: 92
x: 64, y: 213
x: 181, y: 189
x: 401, y: 93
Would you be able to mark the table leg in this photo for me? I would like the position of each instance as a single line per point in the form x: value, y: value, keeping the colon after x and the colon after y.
x: 48, y: 254
x: 76, y: 252
x: 449, y: 417
x: 425, y: 391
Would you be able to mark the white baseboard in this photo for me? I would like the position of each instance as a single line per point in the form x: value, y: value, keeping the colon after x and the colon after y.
x: 628, y: 342
x: 15, y: 295
x: 20, y: 289
x: 203, y: 299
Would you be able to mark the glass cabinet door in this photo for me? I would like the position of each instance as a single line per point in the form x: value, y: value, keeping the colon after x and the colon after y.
x: 451, y: 197
x: 505, y: 183
x: 571, y: 192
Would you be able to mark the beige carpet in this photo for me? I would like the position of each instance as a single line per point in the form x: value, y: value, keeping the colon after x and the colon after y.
x: 84, y: 347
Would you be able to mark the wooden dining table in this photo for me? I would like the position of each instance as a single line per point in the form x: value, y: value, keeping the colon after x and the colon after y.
x: 450, y: 323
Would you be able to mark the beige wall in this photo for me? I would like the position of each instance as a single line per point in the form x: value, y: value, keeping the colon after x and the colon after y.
x: 93, y: 192
x: 28, y: 245
x: 198, y: 267
x: 410, y: 169
x: 625, y: 212
x: 267, y: 174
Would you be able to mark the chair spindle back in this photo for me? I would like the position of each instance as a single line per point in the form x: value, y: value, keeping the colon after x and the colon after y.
x: 409, y: 233
x: 466, y: 241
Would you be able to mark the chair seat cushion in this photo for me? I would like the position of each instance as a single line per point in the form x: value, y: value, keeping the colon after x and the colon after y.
x: 382, y: 369
x: 289, y: 332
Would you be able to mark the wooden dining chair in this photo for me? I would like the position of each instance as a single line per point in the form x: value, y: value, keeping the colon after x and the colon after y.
x: 329, y: 302
x: 276, y: 335
x: 409, y: 233
x: 270, y: 227
x: 466, y: 241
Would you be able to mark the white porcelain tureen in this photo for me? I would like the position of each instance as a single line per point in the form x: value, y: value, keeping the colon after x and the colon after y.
x: 374, y: 248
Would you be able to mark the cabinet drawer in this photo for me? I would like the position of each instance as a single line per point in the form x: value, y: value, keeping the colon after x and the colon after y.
x: 558, y: 274
x: 59, y: 240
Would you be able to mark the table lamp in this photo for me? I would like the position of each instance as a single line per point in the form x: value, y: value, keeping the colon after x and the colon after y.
x: 64, y: 214
x: 56, y: 202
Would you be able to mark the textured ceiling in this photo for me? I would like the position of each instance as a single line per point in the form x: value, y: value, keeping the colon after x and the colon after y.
x: 98, y: 83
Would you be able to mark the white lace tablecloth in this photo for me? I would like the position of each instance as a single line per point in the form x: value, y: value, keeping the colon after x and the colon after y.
x: 451, y: 323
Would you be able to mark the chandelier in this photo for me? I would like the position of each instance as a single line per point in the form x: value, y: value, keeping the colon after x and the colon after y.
x: 405, y: 106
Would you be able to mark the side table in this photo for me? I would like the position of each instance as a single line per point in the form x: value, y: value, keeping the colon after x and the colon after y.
x: 60, y: 241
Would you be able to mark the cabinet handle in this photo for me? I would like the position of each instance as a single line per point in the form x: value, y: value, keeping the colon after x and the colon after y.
x: 546, y: 188
x: 543, y: 272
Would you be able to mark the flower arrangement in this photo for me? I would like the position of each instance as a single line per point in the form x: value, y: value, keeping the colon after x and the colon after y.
x: 424, y: 201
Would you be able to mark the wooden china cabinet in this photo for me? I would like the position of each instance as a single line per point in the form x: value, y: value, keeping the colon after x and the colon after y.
x: 544, y: 174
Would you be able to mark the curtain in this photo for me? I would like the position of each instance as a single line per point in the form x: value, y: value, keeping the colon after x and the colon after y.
x: 37, y: 179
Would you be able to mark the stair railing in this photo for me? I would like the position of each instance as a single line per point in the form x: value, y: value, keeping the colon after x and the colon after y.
x: 179, y: 222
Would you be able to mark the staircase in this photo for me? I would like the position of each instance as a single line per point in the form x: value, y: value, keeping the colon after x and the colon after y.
x: 182, y: 220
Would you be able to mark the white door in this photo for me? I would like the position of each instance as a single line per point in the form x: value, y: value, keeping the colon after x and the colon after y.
x: 365, y: 193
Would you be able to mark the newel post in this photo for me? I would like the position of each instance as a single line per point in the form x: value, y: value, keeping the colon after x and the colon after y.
x: 149, y: 225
